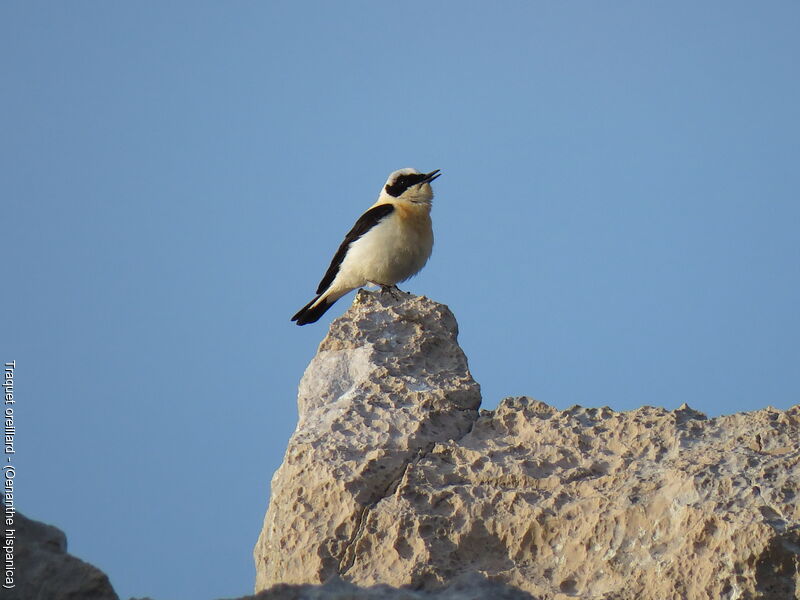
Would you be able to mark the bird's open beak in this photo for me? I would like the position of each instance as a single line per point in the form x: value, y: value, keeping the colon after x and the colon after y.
x: 430, y: 176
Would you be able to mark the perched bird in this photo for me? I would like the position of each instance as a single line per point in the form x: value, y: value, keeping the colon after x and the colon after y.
x: 388, y: 244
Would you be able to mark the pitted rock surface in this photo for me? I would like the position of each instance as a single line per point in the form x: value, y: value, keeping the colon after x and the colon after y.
x: 593, y: 503
x: 392, y: 478
x: 387, y: 383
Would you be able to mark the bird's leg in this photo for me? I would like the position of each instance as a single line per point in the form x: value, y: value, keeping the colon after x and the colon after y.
x: 392, y: 290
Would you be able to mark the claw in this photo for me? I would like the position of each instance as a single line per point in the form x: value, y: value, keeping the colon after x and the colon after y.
x: 392, y: 290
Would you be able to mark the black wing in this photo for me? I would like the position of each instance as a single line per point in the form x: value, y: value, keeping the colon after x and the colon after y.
x: 365, y: 222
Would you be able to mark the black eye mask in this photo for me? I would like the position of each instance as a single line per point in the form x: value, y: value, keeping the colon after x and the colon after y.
x: 402, y: 183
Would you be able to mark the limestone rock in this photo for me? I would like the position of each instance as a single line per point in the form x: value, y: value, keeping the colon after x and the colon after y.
x: 592, y: 503
x: 45, y: 571
x: 469, y: 587
x: 393, y: 478
x: 388, y: 382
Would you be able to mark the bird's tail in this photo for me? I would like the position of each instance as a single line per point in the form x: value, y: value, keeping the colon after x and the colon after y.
x: 312, y: 311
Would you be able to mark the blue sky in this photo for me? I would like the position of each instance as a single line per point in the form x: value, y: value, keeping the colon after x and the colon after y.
x: 616, y: 224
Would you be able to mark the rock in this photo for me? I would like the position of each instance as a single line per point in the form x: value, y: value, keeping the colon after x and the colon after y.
x: 469, y: 587
x: 388, y: 382
x: 45, y: 571
x: 598, y: 504
x: 393, y: 478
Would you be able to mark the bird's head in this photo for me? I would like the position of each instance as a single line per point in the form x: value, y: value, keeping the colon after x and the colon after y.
x: 410, y: 185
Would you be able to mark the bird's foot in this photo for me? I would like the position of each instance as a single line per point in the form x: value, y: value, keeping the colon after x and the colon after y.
x: 392, y: 290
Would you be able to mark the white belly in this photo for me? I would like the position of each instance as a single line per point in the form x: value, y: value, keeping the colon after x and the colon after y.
x: 389, y: 253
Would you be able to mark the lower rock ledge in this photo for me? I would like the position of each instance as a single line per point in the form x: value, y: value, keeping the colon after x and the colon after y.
x: 470, y: 586
x: 44, y: 570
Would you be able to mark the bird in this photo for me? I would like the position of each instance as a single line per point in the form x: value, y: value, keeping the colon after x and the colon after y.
x: 388, y: 244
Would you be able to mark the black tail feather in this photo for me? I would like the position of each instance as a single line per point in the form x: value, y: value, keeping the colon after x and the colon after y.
x: 307, y: 314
